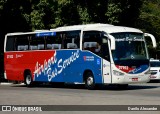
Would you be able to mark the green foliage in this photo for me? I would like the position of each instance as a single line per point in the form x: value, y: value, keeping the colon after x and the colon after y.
x: 46, y: 14
x: 42, y: 14
x: 29, y: 15
x: 84, y: 15
x: 65, y: 13
x: 2, y: 2
x: 149, y: 18
x: 149, y: 21
x: 36, y: 19
x: 113, y: 13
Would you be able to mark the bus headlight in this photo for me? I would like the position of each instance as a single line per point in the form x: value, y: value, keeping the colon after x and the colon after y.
x: 117, y: 73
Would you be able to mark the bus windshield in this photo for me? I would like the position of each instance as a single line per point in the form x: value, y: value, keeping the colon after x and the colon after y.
x: 129, y: 46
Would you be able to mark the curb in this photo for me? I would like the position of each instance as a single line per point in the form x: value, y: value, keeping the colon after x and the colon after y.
x: 4, y: 83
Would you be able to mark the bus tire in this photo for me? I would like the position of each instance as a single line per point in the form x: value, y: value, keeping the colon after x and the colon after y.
x: 28, y: 80
x: 89, y: 81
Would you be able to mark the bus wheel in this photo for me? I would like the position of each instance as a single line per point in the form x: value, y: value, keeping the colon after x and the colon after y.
x: 28, y: 80
x: 89, y: 81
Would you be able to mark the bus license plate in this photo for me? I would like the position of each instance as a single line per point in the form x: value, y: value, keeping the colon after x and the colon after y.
x: 134, y: 79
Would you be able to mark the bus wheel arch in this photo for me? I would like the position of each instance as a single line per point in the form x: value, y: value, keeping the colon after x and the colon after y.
x: 28, y: 79
x: 89, y: 79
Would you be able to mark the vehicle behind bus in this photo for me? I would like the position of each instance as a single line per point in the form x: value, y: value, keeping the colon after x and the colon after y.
x: 155, y: 70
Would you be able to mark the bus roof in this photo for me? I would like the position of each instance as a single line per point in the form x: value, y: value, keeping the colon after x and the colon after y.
x: 79, y: 27
x: 115, y: 29
x: 108, y: 28
x: 25, y: 33
x: 99, y: 27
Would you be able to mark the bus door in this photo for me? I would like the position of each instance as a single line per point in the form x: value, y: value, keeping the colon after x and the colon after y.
x: 106, y: 64
x: 106, y: 71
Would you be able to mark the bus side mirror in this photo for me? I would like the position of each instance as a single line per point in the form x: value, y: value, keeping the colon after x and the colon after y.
x: 152, y: 38
x: 113, y: 42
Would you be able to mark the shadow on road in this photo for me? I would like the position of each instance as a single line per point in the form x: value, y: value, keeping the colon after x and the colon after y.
x: 98, y: 87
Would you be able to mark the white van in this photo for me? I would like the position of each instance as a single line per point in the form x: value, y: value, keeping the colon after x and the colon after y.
x: 155, y: 69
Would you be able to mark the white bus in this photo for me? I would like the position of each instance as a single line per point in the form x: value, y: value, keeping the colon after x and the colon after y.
x: 91, y: 54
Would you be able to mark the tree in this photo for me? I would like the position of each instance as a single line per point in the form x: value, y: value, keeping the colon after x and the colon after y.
x: 42, y: 14
x: 29, y: 15
x: 113, y: 13
x: 149, y: 21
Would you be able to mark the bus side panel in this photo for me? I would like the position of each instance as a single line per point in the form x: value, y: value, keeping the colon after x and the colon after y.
x: 60, y: 67
x: 72, y: 66
x: 93, y: 63
x: 69, y: 66
x: 53, y: 66
x: 11, y: 66
x: 17, y: 62
x: 76, y: 62
x: 8, y: 58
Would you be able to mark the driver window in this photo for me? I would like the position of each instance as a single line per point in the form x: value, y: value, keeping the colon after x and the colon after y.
x: 105, y: 49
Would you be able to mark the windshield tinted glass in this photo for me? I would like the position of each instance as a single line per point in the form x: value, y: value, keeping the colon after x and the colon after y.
x: 155, y: 64
x: 129, y: 46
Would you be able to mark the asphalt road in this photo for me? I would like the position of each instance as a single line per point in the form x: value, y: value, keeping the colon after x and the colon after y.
x: 135, y: 94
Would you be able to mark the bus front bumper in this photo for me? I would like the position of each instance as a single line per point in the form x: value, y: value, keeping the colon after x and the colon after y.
x: 126, y: 79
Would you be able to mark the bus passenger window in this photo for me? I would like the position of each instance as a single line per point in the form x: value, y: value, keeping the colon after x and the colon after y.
x: 53, y: 46
x: 22, y: 47
x: 40, y: 46
x: 56, y: 46
x: 54, y: 42
x: 37, y: 43
x: 92, y: 41
x: 71, y: 46
x: 98, y: 49
x: 90, y: 46
x: 33, y: 47
x: 10, y: 44
x: 71, y: 39
x: 49, y: 46
x: 22, y: 43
